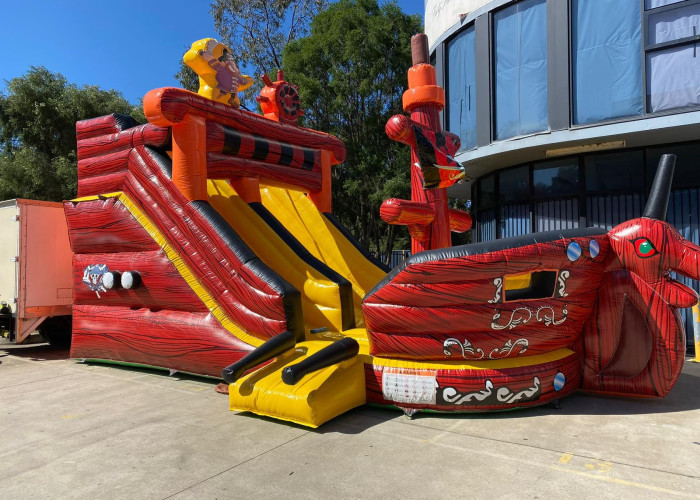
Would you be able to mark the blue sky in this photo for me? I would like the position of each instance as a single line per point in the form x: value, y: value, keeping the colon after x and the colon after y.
x: 127, y: 45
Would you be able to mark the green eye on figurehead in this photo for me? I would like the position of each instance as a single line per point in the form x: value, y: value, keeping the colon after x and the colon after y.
x: 644, y: 248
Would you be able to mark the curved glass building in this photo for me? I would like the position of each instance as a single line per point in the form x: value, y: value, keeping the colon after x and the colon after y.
x: 564, y: 108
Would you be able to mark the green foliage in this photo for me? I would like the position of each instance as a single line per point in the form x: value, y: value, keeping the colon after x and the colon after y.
x: 351, y: 71
x: 27, y: 173
x: 258, y: 30
x: 187, y: 77
x: 37, y: 132
x: 460, y: 238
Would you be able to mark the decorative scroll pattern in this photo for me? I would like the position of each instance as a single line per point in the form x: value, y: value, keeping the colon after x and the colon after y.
x: 508, y: 347
x: 487, y: 396
x: 522, y: 315
x: 468, y: 351
x: 546, y: 314
x: 499, y: 291
x: 561, y: 285
x: 467, y: 348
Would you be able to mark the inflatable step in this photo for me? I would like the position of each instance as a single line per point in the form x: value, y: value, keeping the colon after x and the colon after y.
x: 309, y: 385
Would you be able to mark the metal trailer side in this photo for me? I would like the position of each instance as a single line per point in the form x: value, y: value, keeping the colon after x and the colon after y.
x: 36, y: 278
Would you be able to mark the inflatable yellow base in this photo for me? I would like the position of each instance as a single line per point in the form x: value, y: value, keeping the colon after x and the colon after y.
x: 317, y: 398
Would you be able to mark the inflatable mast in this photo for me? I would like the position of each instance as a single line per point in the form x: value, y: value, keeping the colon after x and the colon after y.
x: 427, y: 215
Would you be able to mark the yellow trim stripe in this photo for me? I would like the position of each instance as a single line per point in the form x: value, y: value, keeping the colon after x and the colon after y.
x: 181, y: 267
x: 115, y: 194
x: 491, y: 364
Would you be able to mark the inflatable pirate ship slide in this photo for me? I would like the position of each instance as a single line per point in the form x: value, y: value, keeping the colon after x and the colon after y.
x: 204, y: 242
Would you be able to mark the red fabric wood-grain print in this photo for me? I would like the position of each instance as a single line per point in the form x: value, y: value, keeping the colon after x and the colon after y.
x: 635, y: 342
x: 178, y: 340
x: 162, y: 285
x: 249, y: 301
x: 105, y: 226
x: 457, y: 305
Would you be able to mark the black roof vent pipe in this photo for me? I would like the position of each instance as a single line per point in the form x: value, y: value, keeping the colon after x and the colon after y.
x: 657, y: 204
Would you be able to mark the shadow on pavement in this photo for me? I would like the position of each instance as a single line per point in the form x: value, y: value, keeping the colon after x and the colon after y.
x: 683, y: 397
x: 34, y: 352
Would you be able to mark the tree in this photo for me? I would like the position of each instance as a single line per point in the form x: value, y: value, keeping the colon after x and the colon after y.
x: 37, y: 132
x: 351, y: 71
x: 189, y: 80
x: 257, y: 32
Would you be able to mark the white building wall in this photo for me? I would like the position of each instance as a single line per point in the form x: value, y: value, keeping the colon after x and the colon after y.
x: 440, y: 15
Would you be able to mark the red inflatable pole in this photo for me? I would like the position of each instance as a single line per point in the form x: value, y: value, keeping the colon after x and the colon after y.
x: 427, y: 214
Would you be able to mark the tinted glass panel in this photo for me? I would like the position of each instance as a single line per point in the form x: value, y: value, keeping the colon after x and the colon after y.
x: 673, y: 78
x: 514, y: 184
x: 651, y: 4
x: 607, y: 68
x: 674, y: 24
x: 558, y: 178
x: 461, y: 88
x: 607, y: 211
x: 687, y: 171
x: 515, y: 220
x: 520, y: 60
x: 487, y: 191
x: 556, y: 214
x: 486, y: 225
x: 615, y: 172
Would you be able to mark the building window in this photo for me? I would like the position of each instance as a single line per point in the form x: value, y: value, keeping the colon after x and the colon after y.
x: 672, y: 59
x: 652, y: 4
x: 556, y: 178
x: 461, y: 88
x: 520, y: 62
x: 687, y: 171
x: 487, y: 192
x: 615, y: 172
x: 606, y: 44
x: 514, y: 184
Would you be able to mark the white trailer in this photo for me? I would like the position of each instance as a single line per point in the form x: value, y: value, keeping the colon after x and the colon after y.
x: 36, y: 279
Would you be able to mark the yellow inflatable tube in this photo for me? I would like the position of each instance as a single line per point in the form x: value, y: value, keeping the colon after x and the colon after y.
x: 323, y: 240
x: 321, y: 302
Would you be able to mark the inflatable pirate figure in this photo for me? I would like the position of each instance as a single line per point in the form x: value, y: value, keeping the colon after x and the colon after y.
x: 219, y: 76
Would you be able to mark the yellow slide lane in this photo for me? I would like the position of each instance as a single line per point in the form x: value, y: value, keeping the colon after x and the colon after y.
x: 320, y: 295
x: 322, y: 239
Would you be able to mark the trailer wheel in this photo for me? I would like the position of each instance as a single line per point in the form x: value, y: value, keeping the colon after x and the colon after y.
x: 57, y: 330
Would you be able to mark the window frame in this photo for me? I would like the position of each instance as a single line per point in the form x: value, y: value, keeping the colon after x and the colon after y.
x: 581, y: 196
x: 493, y: 130
x: 642, y: 55
x: 445, y: 75
x: 648, y: 48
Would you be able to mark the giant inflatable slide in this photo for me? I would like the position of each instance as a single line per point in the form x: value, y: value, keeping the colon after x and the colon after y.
x: 204, y: 243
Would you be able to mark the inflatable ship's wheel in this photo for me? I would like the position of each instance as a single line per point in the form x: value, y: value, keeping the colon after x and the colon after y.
x: 288, y: 102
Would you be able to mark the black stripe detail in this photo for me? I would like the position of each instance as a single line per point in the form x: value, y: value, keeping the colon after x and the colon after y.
x: 309, y: 159
x: 124, y: 122
x: 165, y: 164
x: 232, y: 141
x: 291, y: 297
x: 348, y: 236
x: 286, y: 154
x: 487, y: 247
x: 344, y: 286
x: 262, y: 148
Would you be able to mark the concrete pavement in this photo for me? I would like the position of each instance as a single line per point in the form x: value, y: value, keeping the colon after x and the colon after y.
x: 72, y: 430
